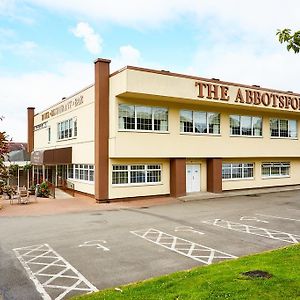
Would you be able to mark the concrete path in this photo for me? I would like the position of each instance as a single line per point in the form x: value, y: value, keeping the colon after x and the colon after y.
x: 243, y: 192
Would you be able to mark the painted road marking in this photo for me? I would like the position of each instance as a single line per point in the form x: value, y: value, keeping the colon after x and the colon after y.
x: 52, y: 275
x: 272, y: 234
x: 184, y: 247
x: 187, y: 228
x: 284, y: 218
x: 96, y: 243
x: 245, y: 218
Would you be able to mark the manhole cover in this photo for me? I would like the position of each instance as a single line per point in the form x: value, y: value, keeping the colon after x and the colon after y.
x: 144, y: 207
x: 257, y: 274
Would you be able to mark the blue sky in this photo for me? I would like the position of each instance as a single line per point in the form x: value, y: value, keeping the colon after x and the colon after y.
x: 47, y: 47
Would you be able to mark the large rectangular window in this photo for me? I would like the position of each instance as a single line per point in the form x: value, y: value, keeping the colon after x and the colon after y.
x: 199, y: 122
x: 136, y: 174
x: 245, y: 125
x: 275, y: 169
x: 143, y: 118
x: 81, y: 172
x: 237, y: 170
x: 67, y: 129
x: 283, y: 128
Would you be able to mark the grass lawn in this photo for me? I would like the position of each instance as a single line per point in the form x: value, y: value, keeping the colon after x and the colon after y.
x: 221, y: 281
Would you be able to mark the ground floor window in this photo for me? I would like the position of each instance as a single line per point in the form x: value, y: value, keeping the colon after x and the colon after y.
x: 275, y: 169
x: 237, y: 170
x: 136, y: 174
x: 82, y: 172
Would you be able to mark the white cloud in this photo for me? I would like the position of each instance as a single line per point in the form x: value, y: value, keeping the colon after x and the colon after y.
x: 92, y: 40
x: 128, y: 55
x: 257, y: 14
x: 38, y: 89
x: 243, y: 63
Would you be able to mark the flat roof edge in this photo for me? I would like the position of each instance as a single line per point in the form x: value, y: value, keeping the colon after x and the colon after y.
x: 168, y: 73
x: 66, y: 98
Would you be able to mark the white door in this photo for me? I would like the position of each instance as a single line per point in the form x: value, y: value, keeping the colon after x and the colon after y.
x: 192, y: 178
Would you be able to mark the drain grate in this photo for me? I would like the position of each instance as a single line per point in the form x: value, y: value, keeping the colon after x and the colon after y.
x: 257, y: 274
x: 253, y: 195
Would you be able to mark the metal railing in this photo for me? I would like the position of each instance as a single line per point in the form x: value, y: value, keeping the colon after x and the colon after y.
x: 51, y: 187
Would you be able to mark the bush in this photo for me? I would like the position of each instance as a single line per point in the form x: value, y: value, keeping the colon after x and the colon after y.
x: 43, y: 190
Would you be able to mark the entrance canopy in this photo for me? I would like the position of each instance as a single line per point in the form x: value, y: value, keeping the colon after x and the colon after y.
x: 52, y: 156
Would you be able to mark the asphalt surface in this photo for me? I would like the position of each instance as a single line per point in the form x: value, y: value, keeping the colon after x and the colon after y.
x: 110, y: 248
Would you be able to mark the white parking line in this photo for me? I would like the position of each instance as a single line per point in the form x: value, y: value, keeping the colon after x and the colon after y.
x: 47, y: 260
x: 187, y: 228
x: 284, y: 218
x: 269, y: 233
x: 184, y: 247
x: 246, y: 218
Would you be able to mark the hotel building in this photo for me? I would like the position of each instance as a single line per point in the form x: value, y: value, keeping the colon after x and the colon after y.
x: 141, y: 132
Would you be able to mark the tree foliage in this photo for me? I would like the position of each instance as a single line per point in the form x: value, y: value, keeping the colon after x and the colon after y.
x: 292, y: 40
x: 3, y: 151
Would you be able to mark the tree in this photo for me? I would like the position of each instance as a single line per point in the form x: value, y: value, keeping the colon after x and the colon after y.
x: 292, y: 40
x: 3, y: 152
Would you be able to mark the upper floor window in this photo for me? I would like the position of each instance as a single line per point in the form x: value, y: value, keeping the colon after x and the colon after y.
x: 49, y: 134
x: 245, y: 125
x: 199, y: 122
x: 67, y: 129
x: 143, y: 118
x: 283, y: 128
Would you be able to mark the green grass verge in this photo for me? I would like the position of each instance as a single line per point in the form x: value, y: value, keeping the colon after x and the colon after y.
x: 221, y: 281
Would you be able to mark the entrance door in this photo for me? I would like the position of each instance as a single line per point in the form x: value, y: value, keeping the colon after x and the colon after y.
x: 192, y: 178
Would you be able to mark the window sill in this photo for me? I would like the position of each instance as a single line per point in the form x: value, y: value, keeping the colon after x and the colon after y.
x: 67, y: 139
x: 136, y: 184
x: 200, y: 134
x: 246, y: 136
x: 81, y: 181
x: 276, y: 177
x: 238, y: 179
x: 283, y: 138
x: 143, y: 131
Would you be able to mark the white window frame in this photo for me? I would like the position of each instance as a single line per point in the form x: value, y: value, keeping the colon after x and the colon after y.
x: 129, y: 170
x: 283, y: 137
x: 243, y: 173
x: 207, y: 123
x: 81, y: 169
x: 68, y: 125
x: 252, y: 126
x: 135, y: 119
x: 276, y: 165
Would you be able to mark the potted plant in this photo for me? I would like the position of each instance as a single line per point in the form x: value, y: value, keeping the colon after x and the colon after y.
x: 31, y: 190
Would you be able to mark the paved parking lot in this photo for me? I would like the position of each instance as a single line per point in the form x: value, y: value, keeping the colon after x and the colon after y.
x: 57, y: 256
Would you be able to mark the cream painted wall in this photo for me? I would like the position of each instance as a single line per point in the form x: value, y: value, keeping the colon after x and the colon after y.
x: 123, y: 191
x: 83, y: 186
x: 180, y: 87
x: 258, y: 181
x: 83, y: 144
x: 175, y: 144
